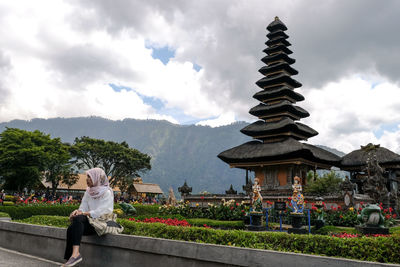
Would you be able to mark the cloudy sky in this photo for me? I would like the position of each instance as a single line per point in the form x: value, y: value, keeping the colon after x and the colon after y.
x: 196, y: 62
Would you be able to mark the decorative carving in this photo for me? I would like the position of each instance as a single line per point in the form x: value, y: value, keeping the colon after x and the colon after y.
x: 171, y: 198
x: 256, y: 198
x: 375, y: 183
x: 297, y: 197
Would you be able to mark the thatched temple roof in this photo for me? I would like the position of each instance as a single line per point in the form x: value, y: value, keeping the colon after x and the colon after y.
x: 256, y: 151
x: 285, y: 125
x: 358, y: 158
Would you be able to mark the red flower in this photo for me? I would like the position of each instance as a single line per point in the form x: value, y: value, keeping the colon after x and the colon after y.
x: 201, y: 197
x: 290, y: 198
x: 237, y: 204
x: 341, y: 216
x: 339, y: 207
x: 387, y: 216
x: 232, y: 208
x: 314, y: 208
x: 394, y: 216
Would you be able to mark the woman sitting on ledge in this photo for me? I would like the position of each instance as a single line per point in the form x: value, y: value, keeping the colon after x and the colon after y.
x: 97, y: 203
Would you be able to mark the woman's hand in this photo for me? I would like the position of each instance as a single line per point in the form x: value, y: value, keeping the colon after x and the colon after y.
x: 75, y: 213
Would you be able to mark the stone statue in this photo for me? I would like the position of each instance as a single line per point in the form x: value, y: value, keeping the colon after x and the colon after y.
x: 371, y: 216
x: 375, y: 183
x: 256, y: 198
x: 297, y: 197
x: 128, y: 208
x: 171, y: 198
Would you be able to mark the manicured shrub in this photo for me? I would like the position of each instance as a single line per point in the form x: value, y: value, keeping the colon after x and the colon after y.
x: 146, y: 209
x: 10, y: 198
x: 3, y: 214
x: 216, y: 224
x: 8, y: 203
x: 21, y: 212
x: 379, y: 249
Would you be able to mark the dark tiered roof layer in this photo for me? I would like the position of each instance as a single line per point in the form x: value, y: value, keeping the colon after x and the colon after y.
x: 284, y: 127
x: 284, y: 107
x: 276, y: 34
x: 283, y: 92
x: 256, y: 151
x: 277, y: 49
x: 277, y: 68
x: 276, y: 25
x: 358, y: 158
x: 277, y: 41
x: 279, y: 79
x: 279, y: 57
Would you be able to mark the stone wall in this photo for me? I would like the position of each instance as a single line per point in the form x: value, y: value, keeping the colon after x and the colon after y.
x: 125, y: 250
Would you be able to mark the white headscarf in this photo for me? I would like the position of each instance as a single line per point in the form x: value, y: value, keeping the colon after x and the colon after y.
x: 100, y: 183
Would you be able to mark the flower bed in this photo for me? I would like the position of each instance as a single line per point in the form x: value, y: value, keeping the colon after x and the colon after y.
x: 170, y: 221
x: 227, y: 211
x: 380, y: 249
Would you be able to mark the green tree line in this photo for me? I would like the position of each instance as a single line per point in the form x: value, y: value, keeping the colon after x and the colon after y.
x: 29, y: 157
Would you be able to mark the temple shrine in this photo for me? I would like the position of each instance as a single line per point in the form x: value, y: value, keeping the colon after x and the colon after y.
x: 277, y: 155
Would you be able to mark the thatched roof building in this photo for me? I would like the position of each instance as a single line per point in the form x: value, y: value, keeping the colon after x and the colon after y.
x: 358, y: 158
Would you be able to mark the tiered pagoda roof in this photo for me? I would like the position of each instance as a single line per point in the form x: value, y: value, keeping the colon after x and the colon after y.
x: 277, y: 129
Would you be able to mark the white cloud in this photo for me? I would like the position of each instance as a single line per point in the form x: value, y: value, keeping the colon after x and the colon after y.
x: 58, y: 57
x: 224, y: 119
x: 347, y: 113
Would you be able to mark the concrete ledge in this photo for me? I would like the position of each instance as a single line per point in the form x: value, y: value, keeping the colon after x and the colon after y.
x: 126, y: 250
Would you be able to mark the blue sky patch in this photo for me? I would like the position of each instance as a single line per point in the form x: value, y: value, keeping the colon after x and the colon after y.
x: 156, y: 103
x: 392, y: 127
x: 164, y: 54
x: 119, y: 88
x: 196, y: 67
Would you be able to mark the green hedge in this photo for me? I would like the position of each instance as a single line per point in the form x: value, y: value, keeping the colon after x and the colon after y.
x: 3, y: 214
x: 10, y: 198
x: 21, y: 212
x: 8, y: 203
x: 146, y: 209
x: 25, y: 211
x: 216, y: 223
x: 379, y: 249
x: 330, y: 229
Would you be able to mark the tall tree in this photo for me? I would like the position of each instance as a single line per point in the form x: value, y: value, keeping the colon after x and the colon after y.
x: 58, y: 166
x: 26, y: 156
x: 21, y: 158
x: 118, y: 160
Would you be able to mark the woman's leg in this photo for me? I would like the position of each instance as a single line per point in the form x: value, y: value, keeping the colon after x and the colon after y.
x: 68, y: 248
x: 80, y: 226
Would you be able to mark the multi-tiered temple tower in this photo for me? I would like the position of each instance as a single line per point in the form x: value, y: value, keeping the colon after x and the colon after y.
x: 276, y: 155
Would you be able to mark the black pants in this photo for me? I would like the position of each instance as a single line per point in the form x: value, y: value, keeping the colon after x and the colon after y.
x: 80, y: 226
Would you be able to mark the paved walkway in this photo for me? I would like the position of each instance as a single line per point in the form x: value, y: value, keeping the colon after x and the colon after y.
x: 11, y: 258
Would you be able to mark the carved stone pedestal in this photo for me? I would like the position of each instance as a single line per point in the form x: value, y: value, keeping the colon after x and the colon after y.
x: 255, y: 222
x: 297, y: 225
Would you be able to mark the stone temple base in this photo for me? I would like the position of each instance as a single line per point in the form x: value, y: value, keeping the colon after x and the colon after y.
x: 369, y: 230
x: 299, y: 231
